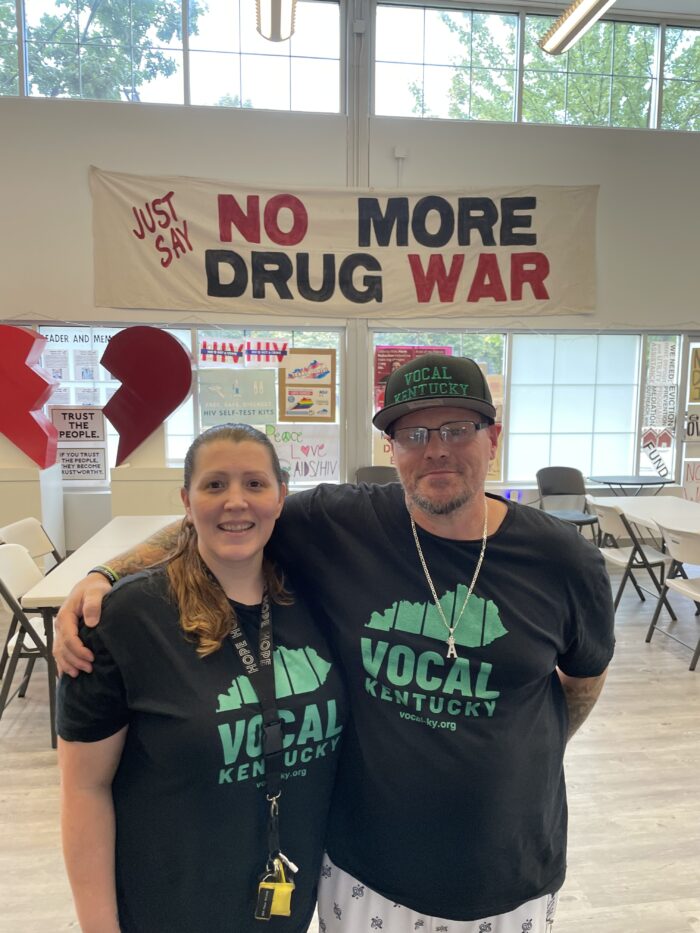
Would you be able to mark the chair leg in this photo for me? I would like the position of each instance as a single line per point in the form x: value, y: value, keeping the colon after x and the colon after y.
x: 657, y: 613
x: 696, y: 655
x: 5, y: 652
x: 9, y: 675
x: 661, y: 586
x: 618, y: 595
x: 27, y: 676
x: 637, y: 587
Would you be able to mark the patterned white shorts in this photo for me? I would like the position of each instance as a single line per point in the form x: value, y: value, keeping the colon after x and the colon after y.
x: 346, y: 905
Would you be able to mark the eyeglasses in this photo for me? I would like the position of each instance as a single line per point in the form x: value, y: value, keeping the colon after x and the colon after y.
x: 453, y: 433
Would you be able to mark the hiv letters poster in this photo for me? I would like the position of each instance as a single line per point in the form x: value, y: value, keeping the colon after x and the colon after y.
x: 218, y: 246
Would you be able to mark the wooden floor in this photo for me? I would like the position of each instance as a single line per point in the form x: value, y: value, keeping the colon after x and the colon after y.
x: 634, y: 789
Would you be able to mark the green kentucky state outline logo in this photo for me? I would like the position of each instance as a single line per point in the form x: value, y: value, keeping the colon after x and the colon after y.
x: 427, y: 681
x: 480, y: 625
x: 297, y: 670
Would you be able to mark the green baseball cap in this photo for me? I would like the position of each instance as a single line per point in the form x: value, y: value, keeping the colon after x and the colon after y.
x: 432, y: 381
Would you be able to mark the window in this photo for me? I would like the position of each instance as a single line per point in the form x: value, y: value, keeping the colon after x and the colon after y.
x: 607, y: 79
x: 572, y: 401
x: 114, y: 50
x: 231, y: 65
x: 9, y: 73
x: 133, y: 50
x: 445, y: 63
x: 681, y: 97
x: 463, y: 65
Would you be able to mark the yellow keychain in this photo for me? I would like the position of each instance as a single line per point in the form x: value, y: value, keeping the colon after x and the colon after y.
x: 274, y: 893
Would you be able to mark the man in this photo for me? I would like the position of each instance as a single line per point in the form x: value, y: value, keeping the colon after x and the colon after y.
x: 475, y: 636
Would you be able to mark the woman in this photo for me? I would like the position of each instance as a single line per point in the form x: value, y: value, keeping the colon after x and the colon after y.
x: 167, y: 822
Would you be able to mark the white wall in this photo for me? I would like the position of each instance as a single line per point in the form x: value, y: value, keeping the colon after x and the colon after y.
x: 649, y: 200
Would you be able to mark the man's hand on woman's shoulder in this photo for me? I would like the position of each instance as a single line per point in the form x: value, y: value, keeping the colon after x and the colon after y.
x: 84, y: 601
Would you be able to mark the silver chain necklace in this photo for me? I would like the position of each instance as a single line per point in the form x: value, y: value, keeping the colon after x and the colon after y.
x: 451, y: 629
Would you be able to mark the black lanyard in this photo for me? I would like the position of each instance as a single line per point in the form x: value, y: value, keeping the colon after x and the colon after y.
x: 262, y: 676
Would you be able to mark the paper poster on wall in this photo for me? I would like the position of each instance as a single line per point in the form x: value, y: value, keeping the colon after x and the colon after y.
x: 56, y: 363
x: 236, y: 395
x: 78, y: 425
x: 311, y: 403
x: 83, y: 464
x: 307, y: 386
x: 691, y: 480
x: 691, y: 428
x: 310, y: 367
x: 76, y: 351
x: 86, y: 364
x: 661, y: 392
x: 694, y: 376
x: 61, y: 395
x: 381, y: 450
x: 87, y: 395
x: 309, y: 453
x: 249, y: 352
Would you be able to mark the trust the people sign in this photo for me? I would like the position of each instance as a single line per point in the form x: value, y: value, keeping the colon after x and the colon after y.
x: 193, y: 244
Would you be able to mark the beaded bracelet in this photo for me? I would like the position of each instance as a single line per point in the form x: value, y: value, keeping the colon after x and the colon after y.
x: 106, y: 572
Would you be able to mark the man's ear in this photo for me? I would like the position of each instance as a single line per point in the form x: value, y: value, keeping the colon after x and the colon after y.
x: 494, y: 433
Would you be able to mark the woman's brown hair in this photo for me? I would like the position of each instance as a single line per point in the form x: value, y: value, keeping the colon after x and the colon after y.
x: 205, y: 612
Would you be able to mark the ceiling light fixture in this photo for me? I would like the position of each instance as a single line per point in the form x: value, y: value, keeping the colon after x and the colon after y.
x: 573, y: 23
x: 275, y: 19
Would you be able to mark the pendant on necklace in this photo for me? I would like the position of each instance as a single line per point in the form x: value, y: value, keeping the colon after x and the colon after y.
x: 451, y: 649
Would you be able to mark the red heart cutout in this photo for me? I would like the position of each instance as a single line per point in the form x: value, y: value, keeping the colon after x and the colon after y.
x: 155, y: 372
x: 26, y: 387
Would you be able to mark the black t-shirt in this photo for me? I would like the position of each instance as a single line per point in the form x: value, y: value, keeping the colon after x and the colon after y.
x: 450, y: 796
x: 189, y: 793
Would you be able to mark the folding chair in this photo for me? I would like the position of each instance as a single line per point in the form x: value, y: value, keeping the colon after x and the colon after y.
x: 562, y: 492
x: 684, y: 548
x: 635, y: 556
x: 30, y: 533
x: 376, y: 474
x: 27, y: 639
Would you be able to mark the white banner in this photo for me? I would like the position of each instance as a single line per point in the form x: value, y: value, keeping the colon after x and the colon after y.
x: 192, y: 244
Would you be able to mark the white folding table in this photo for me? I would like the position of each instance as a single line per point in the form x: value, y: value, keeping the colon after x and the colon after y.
x: 683, y: 514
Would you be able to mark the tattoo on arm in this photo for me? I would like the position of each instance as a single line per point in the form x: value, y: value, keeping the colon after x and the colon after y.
x: 581, y: 696
x: 149, y: 552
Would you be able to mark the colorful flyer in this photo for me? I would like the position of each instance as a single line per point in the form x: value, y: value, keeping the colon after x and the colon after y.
x: 307, y: 386
x: 310, y: 403
x: 310, y: 368
x: 241, y: 396
x: 309, y: 453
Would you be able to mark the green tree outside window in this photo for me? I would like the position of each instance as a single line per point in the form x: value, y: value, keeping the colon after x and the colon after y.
x: 103, y: 49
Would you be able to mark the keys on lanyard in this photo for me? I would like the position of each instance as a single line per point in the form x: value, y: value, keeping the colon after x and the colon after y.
x: 276, y: 884
x: 275, y: 888
x: 275, y: 891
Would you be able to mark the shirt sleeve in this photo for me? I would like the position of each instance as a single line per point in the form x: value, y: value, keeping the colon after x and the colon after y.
x: 91, y: 707
x: 592, y: 633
